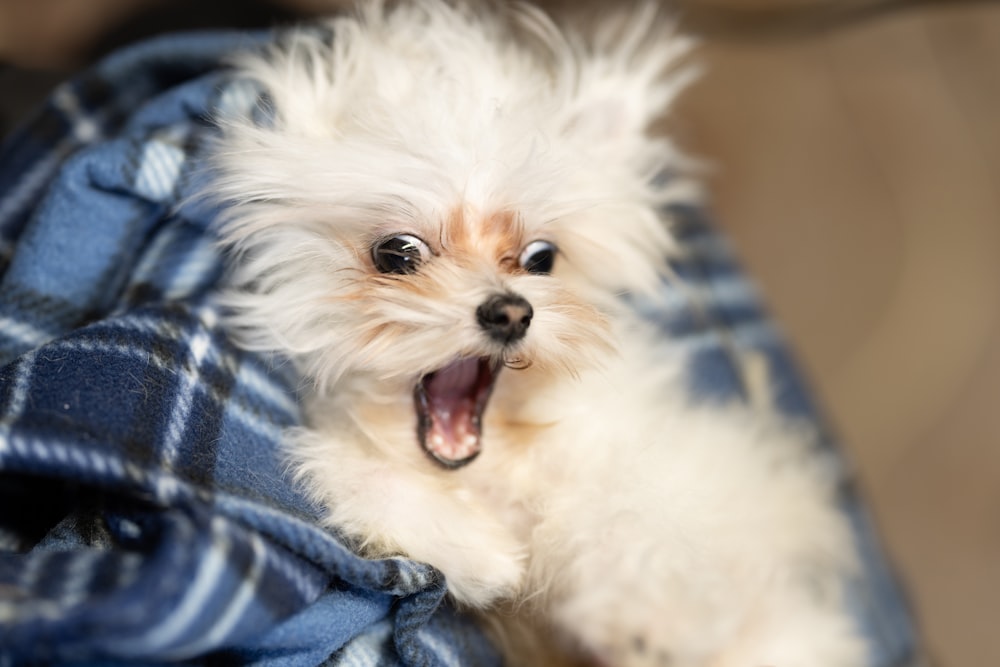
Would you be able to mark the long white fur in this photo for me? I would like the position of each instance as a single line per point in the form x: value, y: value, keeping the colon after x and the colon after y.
x: 606, y: 502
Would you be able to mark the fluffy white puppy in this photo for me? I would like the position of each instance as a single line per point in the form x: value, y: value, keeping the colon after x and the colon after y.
x: 436, y: 223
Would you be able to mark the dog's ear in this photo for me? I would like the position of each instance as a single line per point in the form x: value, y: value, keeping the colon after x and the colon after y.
x: 624, y: 78
x: 628, y: 72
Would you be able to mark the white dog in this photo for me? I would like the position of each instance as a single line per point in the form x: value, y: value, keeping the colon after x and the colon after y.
x: 436, y: 225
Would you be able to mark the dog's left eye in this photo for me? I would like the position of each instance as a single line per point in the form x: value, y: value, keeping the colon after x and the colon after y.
x: 538, y: 257
x: 399, y: 254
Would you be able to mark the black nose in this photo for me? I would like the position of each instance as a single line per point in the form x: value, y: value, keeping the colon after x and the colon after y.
x: 504, y: 317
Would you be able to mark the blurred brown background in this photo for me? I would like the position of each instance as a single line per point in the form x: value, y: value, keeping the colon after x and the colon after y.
x: 858, y: 171
x: 855, y: 161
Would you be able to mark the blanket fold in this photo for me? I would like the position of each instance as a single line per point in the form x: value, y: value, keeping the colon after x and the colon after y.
x: 145, y: 512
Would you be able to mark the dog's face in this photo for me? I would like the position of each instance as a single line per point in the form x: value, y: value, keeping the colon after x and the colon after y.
x: 447, y: 303
x: 432, y: 203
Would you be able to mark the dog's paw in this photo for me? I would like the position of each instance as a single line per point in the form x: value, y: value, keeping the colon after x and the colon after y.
x: 483, y: 563
x: 479, y: 577
x: 481, y: 566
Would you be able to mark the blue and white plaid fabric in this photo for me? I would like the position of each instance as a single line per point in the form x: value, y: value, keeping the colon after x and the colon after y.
x: 144, y: 512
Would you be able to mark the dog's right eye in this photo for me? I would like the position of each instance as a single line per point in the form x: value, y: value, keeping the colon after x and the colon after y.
x: 399, y: 254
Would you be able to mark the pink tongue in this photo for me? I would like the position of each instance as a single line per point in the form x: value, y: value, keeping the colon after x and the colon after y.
x: 452, y: 393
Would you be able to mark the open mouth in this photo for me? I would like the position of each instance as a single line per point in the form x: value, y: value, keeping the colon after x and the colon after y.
x: 450, y: 404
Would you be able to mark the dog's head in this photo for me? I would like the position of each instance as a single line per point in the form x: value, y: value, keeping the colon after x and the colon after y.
x: 441, y: 192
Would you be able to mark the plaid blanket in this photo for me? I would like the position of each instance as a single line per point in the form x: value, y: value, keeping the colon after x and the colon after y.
x: 145, y: 515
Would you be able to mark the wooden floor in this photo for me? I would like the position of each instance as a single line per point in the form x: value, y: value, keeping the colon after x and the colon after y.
x: 859, y: 173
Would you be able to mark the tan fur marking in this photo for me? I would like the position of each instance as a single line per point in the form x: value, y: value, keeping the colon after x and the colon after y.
x: 471, y: 236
